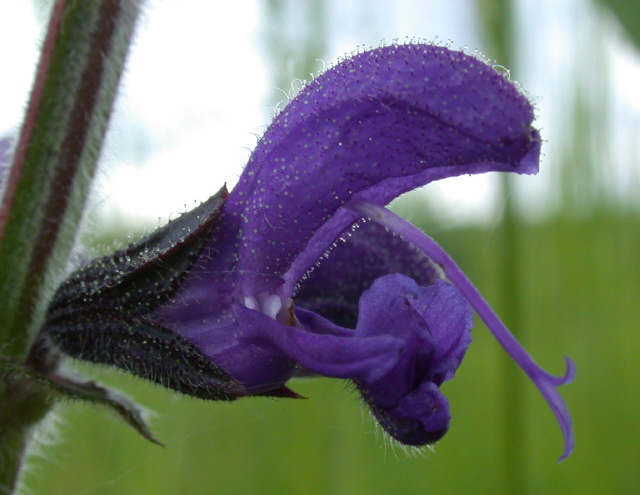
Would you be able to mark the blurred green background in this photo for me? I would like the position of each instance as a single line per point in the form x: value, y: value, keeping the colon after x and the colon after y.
x: 565, y: 277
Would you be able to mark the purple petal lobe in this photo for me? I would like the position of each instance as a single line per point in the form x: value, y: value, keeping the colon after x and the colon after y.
x: 547, y: 384
x: 434, y: 322
x: 338, y: 356
x: 420, y: 418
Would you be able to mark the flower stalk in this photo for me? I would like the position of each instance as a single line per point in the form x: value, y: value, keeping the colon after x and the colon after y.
x: 45, y: 190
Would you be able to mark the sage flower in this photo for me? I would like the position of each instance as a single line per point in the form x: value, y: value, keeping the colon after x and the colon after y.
x: 301, y: 269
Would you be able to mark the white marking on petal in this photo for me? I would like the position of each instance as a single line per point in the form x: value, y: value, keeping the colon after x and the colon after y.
x: 251, y: 302
x: 271, y: 305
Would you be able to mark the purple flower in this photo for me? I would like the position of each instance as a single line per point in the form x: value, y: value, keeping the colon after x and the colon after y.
x: 302, y: 269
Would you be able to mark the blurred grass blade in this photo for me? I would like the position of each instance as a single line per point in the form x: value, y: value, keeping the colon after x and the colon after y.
x: 628, y: 13
x: 498, y: 29
x: 56, y: 153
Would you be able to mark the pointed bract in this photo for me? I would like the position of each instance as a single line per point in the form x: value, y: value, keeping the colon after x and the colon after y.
x: 101, y: 312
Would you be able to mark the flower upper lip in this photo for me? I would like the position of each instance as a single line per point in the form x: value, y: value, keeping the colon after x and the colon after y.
x: 370, y: 128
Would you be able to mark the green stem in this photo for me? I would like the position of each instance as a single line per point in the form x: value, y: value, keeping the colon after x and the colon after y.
x: 22, y: 406
x: 12, y: 447
x: 56, y: 154
x: 57, y: 149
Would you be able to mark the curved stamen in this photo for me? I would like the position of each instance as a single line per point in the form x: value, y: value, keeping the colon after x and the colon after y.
x: 545, y: 382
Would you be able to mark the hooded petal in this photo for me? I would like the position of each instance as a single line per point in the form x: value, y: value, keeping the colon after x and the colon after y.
x: 374, y: 126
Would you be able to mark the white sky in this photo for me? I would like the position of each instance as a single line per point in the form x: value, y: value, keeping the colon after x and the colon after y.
x: 18, y: 51
x: 193, y: 96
